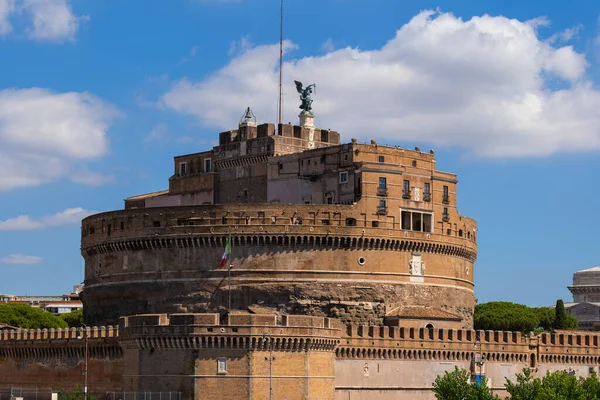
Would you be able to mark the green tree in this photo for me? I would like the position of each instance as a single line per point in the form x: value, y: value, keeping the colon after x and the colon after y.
x: 560, y: 319
x: 74, y: 318
x: 25, y: 316
x: 547, y: 316
x: 505, y: 316
x: 526, y: 388
x: 454, y: 385
x: 591, y: 387
x: 561, y: 385
x: 557, y: 385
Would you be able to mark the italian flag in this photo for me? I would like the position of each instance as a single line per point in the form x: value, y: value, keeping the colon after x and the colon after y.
x: 226, y: 253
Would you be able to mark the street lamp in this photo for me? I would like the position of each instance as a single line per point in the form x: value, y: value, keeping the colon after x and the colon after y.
x: 85, y: 374
x: 479, y: 359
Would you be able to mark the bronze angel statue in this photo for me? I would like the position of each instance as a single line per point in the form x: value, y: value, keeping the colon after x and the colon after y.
x: 306, y: 105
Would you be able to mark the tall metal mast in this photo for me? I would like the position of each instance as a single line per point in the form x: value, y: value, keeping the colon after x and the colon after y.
x: 280, y: 60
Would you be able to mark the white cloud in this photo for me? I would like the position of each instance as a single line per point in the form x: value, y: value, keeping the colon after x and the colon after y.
x: 192, y: 54
x: 486, y: 84
x: 52, y: 20
x: 42, y: 133
x: 6, y: 8
x: 27, y: 223
x: 566, y: 35
x: 21, y: 259
x: 157, y: 134
x: 46, y: 20
x: 84, y: 176
x: 238, y: 47
x: 328, y: 46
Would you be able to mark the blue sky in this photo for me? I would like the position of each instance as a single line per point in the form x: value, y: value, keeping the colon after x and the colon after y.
x: 96, y: 97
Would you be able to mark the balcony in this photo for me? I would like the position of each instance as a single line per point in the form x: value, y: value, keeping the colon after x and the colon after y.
x: 382, y: 192
x: 427, y: 197
x: 382, y: 210
x: 445, y: 217
x: 445, y: 199
x: 406, y: 194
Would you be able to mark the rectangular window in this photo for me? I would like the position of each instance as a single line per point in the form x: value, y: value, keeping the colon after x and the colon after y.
x: 382, y: 183
x: 445, y: 191
x: 406, y: 220
x: 427, y: 188
x: 427, y: 225
x: 207, y: 166
x: 343, y: 177
x: 445, y: 210
x: 182, y: 168
x: 221, y: 365
x: 381, y: 158
x: 417, y: 221
x: 406, y: 187
x: 382, y: 204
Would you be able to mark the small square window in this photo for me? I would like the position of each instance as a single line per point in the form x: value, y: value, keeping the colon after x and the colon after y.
x: 381, y: 158
x: 344, y: 177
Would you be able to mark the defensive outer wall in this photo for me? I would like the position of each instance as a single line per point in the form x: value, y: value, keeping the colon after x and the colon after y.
x: 299, y: 259
x: 297, y: 357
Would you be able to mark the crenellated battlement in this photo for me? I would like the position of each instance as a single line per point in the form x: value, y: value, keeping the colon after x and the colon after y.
x: 239, y: 331
x: 437, y: 335
x: 94, y: 332
x: 183, y: 324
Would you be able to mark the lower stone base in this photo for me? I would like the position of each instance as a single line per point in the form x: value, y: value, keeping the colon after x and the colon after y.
x: 364, y: 304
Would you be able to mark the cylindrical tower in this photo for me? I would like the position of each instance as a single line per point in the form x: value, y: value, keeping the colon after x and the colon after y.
x: 286, y: 257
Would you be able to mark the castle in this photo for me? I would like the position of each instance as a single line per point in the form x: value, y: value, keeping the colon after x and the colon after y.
x: 350, y: 277
x: 361, y: 232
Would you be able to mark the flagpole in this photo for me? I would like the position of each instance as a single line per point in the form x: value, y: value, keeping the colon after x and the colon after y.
x: 229, y: 284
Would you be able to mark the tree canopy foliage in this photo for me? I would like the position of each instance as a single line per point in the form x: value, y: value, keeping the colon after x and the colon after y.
x: 74, y: 318
x: 507, y: 316
x: 557, y: 385
x: 25, y: 316
x: 554, y: 385
x: 455, y: 385
x: 560, y: 316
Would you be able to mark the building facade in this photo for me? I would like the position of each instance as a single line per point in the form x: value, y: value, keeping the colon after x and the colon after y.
x: 318, y: 227
x: 586, y: 299
x: 56, y: 305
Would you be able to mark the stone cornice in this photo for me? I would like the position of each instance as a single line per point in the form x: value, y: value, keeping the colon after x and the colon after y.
x: 312, y: 242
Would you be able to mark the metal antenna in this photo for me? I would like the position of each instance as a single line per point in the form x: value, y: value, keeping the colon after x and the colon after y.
x: 280, y: 61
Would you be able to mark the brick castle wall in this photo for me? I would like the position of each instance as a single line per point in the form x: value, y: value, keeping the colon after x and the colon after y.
x: 313, y: 357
